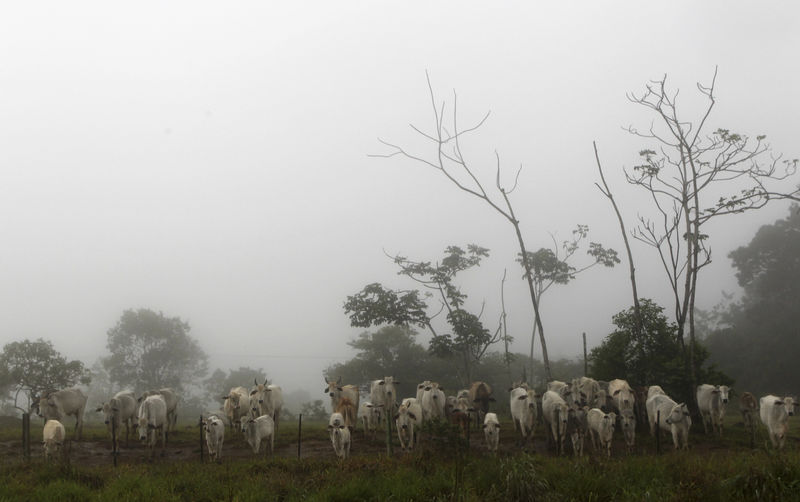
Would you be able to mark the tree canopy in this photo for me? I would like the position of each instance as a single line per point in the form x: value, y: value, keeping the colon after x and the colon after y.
x: 758, y: 338
x: 150, y: 351
x: 31, y: 368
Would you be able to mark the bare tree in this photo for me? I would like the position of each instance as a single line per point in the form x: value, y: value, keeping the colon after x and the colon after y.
x: 693, y: 176
x: 448, y: 159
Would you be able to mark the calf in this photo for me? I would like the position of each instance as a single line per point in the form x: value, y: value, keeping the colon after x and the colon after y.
x: 53, y: 437
x: 627, y: 420
x: 491, y: 431
x: 215, y: 436
x: 711, y: 399
x: 748, y: 408
x: 775, y: 413
x: 153, y: 419
x: 601, y: 429
x: 524, y: 411
x: 672, y: 417
x: 555, y: 412
x: 480, y: 394
x: 407, y: 419
x: 259, y: 429
x: 577, y: 426
x: 340, y: 435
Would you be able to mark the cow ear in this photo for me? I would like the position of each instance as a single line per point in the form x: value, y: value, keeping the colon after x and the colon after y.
x: 330, y: 427
x: 396, y: 417
x: 339, y: 389
x: 398, y: 383
x: 99, y: 409
x: 381, y: 382
x: 412, y: 415
x: 522, y: 398
x: 252, y: 392
x: 441, y: 388
x: 325, y: 390
x: 255, y: 382
x: 615, y: 392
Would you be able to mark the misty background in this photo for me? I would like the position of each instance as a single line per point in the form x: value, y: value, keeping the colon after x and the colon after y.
x: 212, y: 163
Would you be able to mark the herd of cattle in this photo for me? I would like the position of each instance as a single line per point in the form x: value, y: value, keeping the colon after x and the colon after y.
x: 568, y: 410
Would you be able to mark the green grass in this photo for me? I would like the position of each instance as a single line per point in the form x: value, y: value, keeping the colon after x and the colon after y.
x: 715, y: 469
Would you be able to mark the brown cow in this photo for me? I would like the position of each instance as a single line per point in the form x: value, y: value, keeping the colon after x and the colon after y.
x: 480, y: 393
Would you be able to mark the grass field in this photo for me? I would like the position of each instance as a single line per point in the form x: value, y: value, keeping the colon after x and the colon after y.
x: 443, y: 468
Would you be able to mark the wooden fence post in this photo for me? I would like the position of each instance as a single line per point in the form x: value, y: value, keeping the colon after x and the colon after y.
x: 389, y: 445
x: 26, y: 436
x: 299, y: 433
x: 114, y: 436
x: 200, y: 423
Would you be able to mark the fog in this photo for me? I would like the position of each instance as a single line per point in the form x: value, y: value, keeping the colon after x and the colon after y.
x: 213, y: 162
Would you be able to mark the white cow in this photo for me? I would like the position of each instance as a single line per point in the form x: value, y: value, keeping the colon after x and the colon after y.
x: 556, y: 414
x: 433, y: 401
x: 237, y: 405
x: 337, y: 391
x: 259, y: 429
x: 152, y: 419
x: 655, y: 390
x: 562, y: 389
x: 340, y: 435
x: 775, y: 413
x: 171, y: 399
x: 421, y: 390
x: 627, y: 421
x: 621, y: 394
x: 407, y: 419
x: 269, y: 399
x: 120, y: 409
x: 711, y: 399
x: 674, y: 418
x: 369, y: 415
x: 215, y: 436
x: 383, y: 395
x: 53, y: 437
x: 62, y: 403
x: 601, y: 429
x: 491, y: 431
x: 586, y: 390
x: 524, y: 411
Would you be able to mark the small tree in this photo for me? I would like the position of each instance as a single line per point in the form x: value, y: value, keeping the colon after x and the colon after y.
x: 150, y: 350
x: 30, y: 368
x: 468, y: 340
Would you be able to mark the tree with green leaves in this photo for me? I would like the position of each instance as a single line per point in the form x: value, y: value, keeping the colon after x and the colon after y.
x: 692, y: 176
x: 150, y: 350
x: 756, y: 339
x: 33, y: 367
x: 552, y: 266
x: 649, y: 357
x: 220, y: 382
x: 468, y: 339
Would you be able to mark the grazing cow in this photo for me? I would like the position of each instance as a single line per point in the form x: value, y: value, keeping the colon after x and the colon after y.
x: 622, y: 395
x: 152, y: 419
x: 674, y: 418
x: 259, y: 429
x: 577, y: 425
x: 214, y: 428
x: 269, y: 399
x: 748, y: 408
x: 524, y: 411
x: 491, y: 431
x: 120, y: 409
x: 340, y: 435
x: 53, y: 437
x: 337, y: 391
x: 627, y: 421
x: 601, y: 429
x: 407, y: 419
x: 433, y: 401
x: 58, y: 404
x: 775, y: 413
x: 556, y: 413
x: 383, y: 394
x: 237, y: 405
x: 711, y: 399
x: 348, y: 411
x: 480, y: 394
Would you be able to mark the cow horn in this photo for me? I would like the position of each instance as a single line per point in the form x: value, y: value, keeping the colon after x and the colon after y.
x: 255, y: 381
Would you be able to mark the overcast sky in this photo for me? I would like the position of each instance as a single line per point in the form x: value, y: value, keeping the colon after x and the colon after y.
x: 210, y: 160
